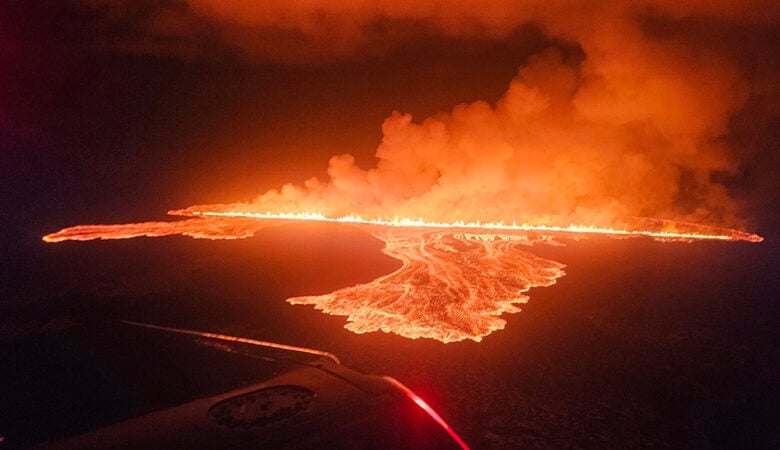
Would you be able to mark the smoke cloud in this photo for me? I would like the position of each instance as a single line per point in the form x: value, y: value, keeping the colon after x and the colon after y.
x: 636, y: 127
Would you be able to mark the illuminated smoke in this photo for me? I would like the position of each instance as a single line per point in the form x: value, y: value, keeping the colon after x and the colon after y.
x: 635, y: 128
x: 563, y: 145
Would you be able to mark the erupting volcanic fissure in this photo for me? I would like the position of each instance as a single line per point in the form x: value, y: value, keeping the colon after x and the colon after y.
x: 455, y: 280
x: 624, y: 112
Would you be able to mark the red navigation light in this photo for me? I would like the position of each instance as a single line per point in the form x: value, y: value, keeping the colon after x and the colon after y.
x: 429, y: 410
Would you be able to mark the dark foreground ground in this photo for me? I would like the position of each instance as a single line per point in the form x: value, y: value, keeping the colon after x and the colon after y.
x: 641, y: 344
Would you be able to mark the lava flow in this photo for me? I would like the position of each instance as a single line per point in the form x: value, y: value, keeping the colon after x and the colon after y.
x: 450, y: 287
x: 455, y: 280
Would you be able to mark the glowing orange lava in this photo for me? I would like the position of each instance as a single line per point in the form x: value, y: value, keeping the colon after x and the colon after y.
x: 449, y: 287
x: 455, y: 279
x: 665, y: 230
x: 198, y: 228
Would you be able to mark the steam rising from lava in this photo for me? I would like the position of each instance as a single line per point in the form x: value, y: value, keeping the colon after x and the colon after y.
x: 633, y: 129
x: 631, y: 125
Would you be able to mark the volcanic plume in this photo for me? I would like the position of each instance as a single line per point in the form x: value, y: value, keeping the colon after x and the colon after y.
x: 631, y: 122
x: 627, y: 117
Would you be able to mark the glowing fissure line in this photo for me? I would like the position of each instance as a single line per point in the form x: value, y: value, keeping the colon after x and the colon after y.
x: 419, y: 223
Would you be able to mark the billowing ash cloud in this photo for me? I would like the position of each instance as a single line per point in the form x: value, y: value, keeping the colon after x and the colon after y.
x: 638, y: 127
